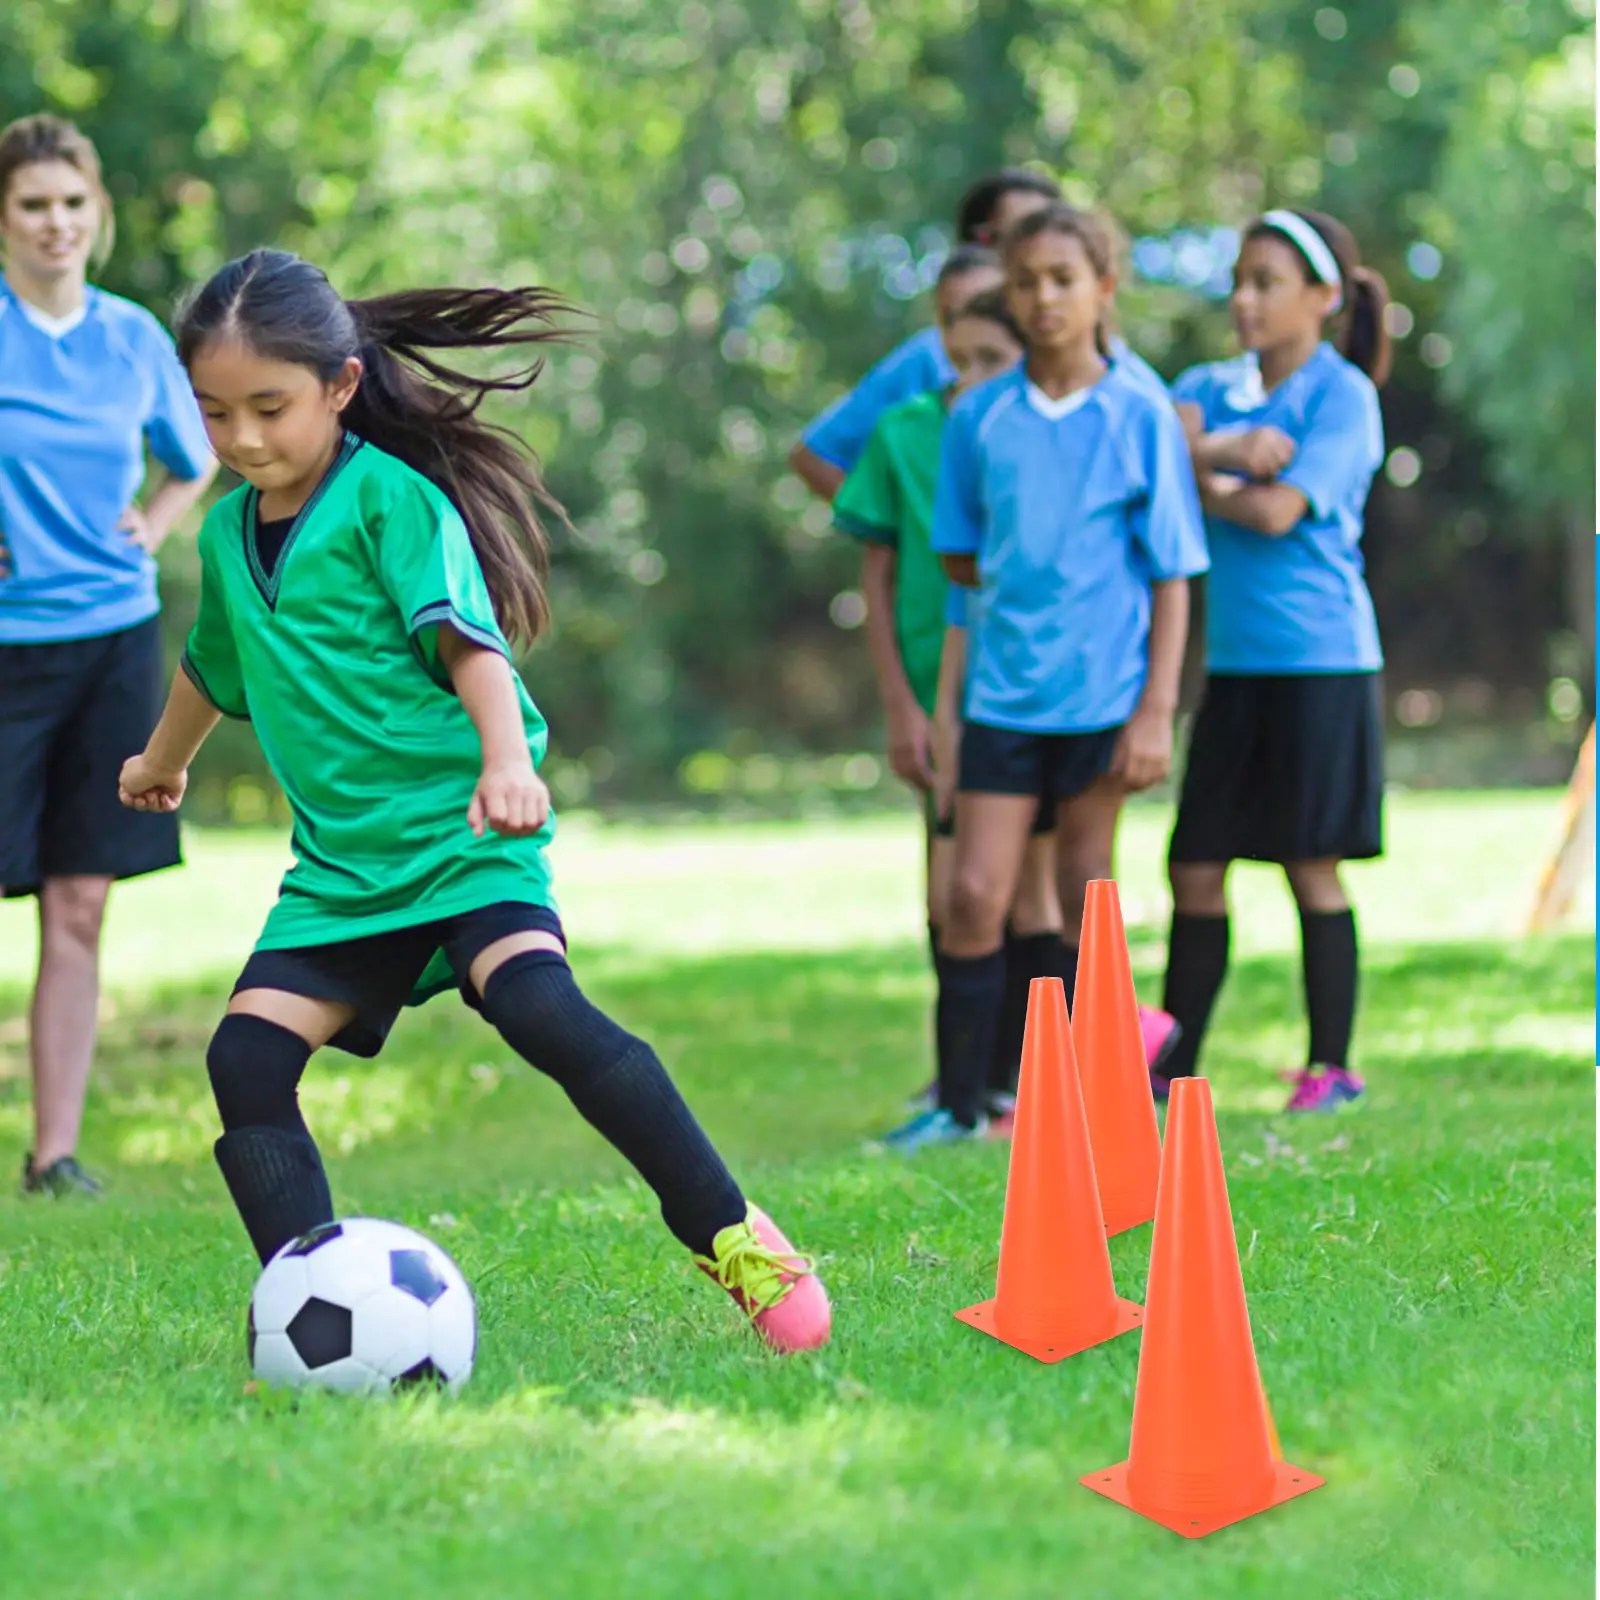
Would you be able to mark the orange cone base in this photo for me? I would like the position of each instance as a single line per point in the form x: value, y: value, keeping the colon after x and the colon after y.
x: 1292, y: 1482
x: 981, y: 1317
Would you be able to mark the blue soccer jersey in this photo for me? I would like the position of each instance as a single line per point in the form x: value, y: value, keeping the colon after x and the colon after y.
x: 839, y: 435
x: 1299, y: 602
x: 1073, y: 508
x: 79, y: 402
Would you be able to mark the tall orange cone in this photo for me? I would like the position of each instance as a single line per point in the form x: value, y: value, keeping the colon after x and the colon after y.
x: 1202, y: 1454
x: 1116, y: 1080
x: 1053, y: 1293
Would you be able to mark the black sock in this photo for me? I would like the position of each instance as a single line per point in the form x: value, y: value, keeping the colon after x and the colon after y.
x: 1197, y: 962
x: 1013, y: 1015
x: 971, y: 995
x: 1331, y: 962
x: 1063, y: 964
x: 933, y: 957
x: 266, y: 1154
x: 277, y: 1182
x: 620, y: 1087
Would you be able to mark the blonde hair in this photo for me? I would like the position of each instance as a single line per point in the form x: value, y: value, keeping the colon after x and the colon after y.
x: 43, y: 137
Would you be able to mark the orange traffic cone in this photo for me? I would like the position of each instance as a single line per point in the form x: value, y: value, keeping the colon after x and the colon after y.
x: 1116, y: 1080
x: 1053, y: 1293
x: 1202, y: 1454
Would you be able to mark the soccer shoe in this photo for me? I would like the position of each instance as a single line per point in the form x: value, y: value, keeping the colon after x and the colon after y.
x: 1161, y: 1032
x: 1002, y: 1127
x: 1325, y: 1089
x: 926, y: 1098
x: 998, y: 1103
x: 62, y: 1177
x: 930, y: 1128
x: 771, y: 1282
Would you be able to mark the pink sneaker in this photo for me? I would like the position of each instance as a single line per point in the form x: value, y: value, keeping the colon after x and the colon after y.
x: 1161, y: 1032
x: 771, y: 1282
x: 1324, y: 1089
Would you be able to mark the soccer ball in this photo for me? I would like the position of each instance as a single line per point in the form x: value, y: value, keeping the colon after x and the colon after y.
x: 361, y: 1305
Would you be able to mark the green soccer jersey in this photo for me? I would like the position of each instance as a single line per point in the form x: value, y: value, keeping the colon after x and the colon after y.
x: 888, y: 499
x: 332, y: 655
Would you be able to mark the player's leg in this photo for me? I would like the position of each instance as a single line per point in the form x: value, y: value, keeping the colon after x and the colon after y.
x: 63, y: 1024
x: 1223, y: 815
x: 286, y: 1005
x: 941, y: 876
x: 523, y: 985
x: 1086, y: 837
x: 1033, y: 936
x: 266, y: 1154
x: 992, y: 833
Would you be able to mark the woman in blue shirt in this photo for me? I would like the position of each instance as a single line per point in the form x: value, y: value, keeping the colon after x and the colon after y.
x: 1286, y: 759
x: 86, y: 382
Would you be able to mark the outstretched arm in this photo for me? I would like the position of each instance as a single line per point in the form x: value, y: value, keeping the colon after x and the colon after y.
x: 511, y: 797
x: 156, y: 779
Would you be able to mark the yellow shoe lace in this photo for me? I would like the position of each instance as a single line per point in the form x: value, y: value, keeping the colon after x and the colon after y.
x: 750, y: 1269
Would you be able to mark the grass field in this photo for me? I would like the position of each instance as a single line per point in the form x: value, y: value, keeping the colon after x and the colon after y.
x: 1421, y: 1275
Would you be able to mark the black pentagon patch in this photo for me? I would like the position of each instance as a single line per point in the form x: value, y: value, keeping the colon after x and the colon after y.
x: 318, y: 1236
x: 250, y: 1334
x: 411, y: 1271
x: 320, y: 1333
x: 423, y: 1373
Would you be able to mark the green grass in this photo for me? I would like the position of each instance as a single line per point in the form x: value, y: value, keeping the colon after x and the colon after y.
x: 1420, y: 1275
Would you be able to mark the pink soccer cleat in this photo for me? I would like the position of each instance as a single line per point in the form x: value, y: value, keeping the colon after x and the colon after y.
x: 1161, y: 1032
x: 771, y: 1282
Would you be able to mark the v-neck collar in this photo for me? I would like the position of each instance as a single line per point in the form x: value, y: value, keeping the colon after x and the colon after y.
x: 267, y: 582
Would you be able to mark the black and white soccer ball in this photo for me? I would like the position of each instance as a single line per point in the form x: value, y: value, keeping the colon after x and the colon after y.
x: 362, y: 1305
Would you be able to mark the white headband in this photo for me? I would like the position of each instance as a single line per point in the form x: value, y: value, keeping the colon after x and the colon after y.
x: 1312, y: 246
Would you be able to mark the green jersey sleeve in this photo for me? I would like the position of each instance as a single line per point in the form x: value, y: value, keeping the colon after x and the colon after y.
x: 211, y: 656
x: 867, y: 505
x: 426, y: 562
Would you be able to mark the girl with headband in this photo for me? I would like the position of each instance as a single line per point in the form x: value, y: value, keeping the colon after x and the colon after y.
x: 1286, y: 759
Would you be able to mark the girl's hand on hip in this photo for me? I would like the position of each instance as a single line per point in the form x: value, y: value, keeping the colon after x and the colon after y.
x: 1143, y: 756
x: 143, y: 786
x: 136, y: 525
x: 511, y: 800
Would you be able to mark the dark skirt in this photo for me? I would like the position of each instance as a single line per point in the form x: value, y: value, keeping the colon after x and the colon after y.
x: 1285, y: 768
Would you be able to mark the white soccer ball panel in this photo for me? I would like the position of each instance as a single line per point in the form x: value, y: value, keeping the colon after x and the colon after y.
x: 390, y: 1332
x: 348, y: 1269
x: 453, y: 1334
x: 280, y: 1291
x: 350, y: 1376
x: 276, y: 1361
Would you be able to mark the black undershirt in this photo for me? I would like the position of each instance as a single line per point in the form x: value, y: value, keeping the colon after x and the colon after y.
x: 269, y: 539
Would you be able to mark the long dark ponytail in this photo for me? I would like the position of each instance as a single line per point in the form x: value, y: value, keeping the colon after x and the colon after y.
x: 409, y: 403
x: 1364, y: 341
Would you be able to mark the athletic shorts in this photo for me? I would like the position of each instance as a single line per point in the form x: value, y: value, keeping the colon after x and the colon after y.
x: 1053, y: 766
x: 1284, y: 769
x: 71, y: 712
x: 377, y: 974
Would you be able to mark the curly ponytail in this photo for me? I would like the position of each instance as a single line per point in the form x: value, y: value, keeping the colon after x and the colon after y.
x: 409, y: 403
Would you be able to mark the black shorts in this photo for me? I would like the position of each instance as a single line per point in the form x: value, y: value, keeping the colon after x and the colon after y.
x: 1053, y: 766
x: 1044, y: 820
x: 1284, y: 769
x: 71, y: 712
x: 377, y: 974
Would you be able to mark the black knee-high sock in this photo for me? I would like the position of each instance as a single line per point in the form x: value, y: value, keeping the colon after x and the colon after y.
x: 1331, y: 959
x: 620, y: 1087
x: 971, y: 996
x: 1197, y: 962
x: 1063, y: 964
x: 266, y: 1154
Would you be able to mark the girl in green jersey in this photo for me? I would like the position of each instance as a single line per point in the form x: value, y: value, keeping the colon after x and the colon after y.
x: 360, y: 596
